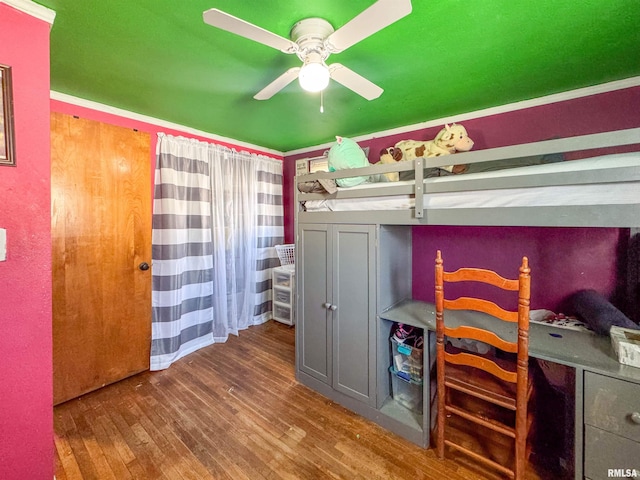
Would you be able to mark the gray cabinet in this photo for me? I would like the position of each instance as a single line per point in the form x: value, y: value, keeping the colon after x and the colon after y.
x: 354, y: 281
x: 612, y: 427
x: 336, y: 307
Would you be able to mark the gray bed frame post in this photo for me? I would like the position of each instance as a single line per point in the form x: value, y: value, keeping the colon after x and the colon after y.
x: 419, y: 187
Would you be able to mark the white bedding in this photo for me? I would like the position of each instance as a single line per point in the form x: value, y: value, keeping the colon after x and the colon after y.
x: 627, y: 192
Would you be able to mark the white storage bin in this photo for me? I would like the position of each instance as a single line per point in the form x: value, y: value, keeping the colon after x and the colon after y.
x: 626, y: 344
x: 283, y: 294
x: 286, y: 253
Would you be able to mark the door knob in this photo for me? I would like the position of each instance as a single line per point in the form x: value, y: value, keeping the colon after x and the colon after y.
x: 333, y: 308
x: 326, y: 305
x: 143, y: 266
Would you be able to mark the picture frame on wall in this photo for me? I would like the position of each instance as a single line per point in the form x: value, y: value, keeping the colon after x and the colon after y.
x: 7, y: 145
x: 302, y: 167
x: 319, y: 164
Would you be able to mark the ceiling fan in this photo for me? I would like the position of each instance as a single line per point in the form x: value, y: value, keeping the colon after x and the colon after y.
x: 313, y: 40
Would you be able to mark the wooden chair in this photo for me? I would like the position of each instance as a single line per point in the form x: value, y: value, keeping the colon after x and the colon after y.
x: 481, y: 379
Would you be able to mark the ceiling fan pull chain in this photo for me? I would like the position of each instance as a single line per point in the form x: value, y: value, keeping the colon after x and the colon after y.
x: 321, y: 101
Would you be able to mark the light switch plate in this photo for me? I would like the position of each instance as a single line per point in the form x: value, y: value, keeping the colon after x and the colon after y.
x: 3, y: 244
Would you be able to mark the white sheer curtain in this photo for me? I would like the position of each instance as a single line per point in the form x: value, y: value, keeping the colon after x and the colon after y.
x: 233, y: 213
x: 217, y: 216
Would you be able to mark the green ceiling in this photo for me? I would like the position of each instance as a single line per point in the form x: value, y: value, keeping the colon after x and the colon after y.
x: 158, y: 58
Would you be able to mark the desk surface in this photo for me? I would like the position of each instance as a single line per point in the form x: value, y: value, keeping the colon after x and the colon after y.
x: 577, y: 349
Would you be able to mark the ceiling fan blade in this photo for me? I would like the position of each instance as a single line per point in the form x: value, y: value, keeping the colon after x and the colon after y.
x: 278, y: 84
x: 224, y: 21
x: 355, y: 82
x: 378, y: 16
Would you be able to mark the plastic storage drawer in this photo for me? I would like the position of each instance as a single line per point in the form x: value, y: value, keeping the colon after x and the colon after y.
x: 282, y: 312
x: 282, y: 278
x: 407, y: 393
x: 281, y: 296
x: 407, y: 360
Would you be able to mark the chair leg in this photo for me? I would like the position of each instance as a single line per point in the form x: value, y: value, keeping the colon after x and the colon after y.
x: 521, y: 445
x: 520, y: 464
x: 441, y: 396
x: 440, y: 425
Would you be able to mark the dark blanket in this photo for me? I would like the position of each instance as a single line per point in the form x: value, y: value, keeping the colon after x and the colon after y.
x: 596, y: 311
x: 323, y: 185
x: 633, y: 279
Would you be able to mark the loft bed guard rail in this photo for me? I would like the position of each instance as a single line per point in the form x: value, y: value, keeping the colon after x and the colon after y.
x: 602, y: 172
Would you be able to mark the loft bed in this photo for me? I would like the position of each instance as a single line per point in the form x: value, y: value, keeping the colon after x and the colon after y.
x: 601, y: 191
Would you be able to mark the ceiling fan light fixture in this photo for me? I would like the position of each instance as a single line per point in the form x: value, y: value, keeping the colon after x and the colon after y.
x: 314, y: 76
x: 313, y: 40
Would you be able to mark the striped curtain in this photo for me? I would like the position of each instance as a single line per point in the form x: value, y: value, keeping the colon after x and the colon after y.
x: 212, y: 250
x: 270, y: 232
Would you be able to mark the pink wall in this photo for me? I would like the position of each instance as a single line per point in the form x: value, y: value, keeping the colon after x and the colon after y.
x: 26, y: 417
x: 564, y: 260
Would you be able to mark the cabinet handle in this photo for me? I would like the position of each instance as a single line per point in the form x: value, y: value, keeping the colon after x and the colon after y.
x: 635, y: 418
x: 333, y: 308
x: 326, y: 305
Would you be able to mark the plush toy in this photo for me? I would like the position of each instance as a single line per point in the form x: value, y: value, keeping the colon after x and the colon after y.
x: 345, y: 154
x: 387, y: 155
x: 452, y: 138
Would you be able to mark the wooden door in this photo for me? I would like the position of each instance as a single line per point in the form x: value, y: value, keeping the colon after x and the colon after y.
x: 101, y: 234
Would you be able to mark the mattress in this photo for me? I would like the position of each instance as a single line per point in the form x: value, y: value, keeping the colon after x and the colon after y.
x: 625, y: 167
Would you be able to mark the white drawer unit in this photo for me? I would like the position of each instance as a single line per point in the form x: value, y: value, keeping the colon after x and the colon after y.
x: 283, y: 294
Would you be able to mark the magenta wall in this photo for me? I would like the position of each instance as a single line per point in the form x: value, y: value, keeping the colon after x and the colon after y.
x: 26, y: 416
x: 593, y: 114
x: 562, y: 260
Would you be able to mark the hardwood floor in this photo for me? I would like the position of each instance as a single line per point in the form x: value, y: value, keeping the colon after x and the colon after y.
x: 233, y: 411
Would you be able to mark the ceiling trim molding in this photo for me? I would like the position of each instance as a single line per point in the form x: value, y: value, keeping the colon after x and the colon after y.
x: 33, y: 9
x: 100, y: 107
x: 511, y: 107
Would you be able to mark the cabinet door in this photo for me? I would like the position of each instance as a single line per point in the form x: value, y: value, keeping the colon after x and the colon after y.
x: 353, y: 298
x: 314, y: 329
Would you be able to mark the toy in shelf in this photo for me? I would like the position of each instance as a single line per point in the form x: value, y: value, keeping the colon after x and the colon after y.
x: 346, y: 154
x: 406, y: 346
x: 451, y: 139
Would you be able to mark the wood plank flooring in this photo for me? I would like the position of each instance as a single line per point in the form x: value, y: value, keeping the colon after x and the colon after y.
x: 233, y: 411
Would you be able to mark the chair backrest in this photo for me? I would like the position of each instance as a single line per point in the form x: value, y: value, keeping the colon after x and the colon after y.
x: 520, y: 346
x: 522, y: 285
